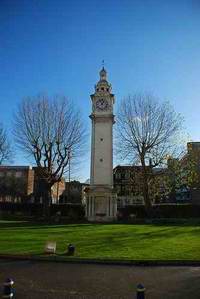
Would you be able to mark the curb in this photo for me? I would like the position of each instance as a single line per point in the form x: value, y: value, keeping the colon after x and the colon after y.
x: 76, y: 260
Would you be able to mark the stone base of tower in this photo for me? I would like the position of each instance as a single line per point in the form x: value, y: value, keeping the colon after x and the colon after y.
x: 101, y: 204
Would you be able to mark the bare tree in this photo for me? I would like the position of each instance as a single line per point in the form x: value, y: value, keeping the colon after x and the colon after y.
x: 5, y: 148
x: 146, y: 133
x: 50, y: 130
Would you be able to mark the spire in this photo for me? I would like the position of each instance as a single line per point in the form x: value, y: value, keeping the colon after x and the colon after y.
x: 103, y: 74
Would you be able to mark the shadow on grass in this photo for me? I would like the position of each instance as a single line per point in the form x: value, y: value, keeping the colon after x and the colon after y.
x: 39, y: 225
x: 4, y: 224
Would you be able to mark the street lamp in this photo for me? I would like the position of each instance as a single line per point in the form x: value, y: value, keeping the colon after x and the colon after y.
x: 69, y: 178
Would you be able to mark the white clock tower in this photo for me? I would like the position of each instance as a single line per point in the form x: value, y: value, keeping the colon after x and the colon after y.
x: 101, y: 199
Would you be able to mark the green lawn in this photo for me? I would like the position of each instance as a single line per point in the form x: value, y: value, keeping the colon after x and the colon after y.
x: 139, y: 242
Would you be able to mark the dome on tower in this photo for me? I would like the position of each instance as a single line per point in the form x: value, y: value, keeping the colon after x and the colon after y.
x: 103, y: 86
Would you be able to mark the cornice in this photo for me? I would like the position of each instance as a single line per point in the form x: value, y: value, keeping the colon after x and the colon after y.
x: 101, y: 118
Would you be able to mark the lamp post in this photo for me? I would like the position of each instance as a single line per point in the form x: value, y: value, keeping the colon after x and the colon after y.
x: 69, y: 178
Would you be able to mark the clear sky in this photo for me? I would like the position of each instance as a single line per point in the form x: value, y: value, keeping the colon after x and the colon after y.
x: 57, y: 47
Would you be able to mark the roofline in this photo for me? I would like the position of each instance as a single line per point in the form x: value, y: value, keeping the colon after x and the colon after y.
x: 14, y: 167
x: 127, y: 166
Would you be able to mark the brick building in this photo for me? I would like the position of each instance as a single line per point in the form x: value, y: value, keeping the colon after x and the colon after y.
x: 16, y: 182
x: 128, y: 184
x: 74, y: 192
x: 56, y: 190
x: 128, y: 180
x: 21, y: 183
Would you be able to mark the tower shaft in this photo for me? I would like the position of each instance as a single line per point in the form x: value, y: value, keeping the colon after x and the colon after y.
x: 101, y: 199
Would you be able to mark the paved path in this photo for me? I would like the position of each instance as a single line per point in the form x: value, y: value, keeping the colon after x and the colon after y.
x: 46, y: 280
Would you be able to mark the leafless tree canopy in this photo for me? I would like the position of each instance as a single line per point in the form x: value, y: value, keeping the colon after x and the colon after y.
x: 50, y: 130
x: 5, y: 149
x: 146, y: 133
x: 147, y: 128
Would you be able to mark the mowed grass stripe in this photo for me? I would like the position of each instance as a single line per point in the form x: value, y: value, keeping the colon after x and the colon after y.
x: 117, y: 241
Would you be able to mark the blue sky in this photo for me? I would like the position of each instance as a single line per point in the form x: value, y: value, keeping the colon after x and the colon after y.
x: 57, y: 47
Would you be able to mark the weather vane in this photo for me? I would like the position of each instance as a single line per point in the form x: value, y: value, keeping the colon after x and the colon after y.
x: 103, y: 63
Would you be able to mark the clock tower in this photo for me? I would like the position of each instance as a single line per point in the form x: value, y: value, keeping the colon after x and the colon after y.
x: 101, y: 199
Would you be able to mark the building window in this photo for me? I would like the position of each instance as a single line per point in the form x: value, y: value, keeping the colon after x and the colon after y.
x: 101, y: 139
x: 122, y: 175
x: 107, y: 89
x: 118, y: 189
x: 127, y: 175
x: 118, y: 175
x: 101, y: 160
x: 102, y: 88
x: 127, y: 189
x: 122, y: 190
x: 18, y: 174
x: 9, y: 173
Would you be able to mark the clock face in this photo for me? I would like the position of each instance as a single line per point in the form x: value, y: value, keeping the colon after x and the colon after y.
x: 102, y: 104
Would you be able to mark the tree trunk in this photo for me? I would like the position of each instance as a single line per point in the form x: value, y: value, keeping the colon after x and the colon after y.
x: 147, y: 200
x: 47, y: 201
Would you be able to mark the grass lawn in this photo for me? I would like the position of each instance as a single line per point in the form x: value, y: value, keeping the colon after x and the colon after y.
x: 138, y: 242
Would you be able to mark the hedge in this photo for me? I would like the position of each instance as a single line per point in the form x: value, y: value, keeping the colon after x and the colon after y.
x: 36, y: 209
x: 76, y: 211
x: 161, y: 211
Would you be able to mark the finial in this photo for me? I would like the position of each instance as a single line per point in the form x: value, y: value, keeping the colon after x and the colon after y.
x: 102, y: 72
